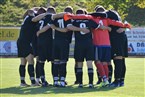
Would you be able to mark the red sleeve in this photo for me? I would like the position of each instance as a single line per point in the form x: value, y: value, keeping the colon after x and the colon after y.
x: 115, y: 23
x: 70, y: 16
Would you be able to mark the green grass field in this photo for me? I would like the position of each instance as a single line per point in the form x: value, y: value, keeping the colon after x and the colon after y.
x: 9, y: 82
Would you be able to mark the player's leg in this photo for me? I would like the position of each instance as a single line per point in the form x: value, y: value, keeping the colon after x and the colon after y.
x: 24, y: 50
x: 56, y: 63
x: 110, y: 72
x: 64, y: 55
x: 90, y: 56
x: 125, y: 54
x: 79, y: 55
x: 123, y: 73
x: 76, y: 75
x: 90, y: 73
x: 30, y: 59
x: 22, y: 71
x: 55, y: 73
x: 106, y: 58
x: 62, y: 72
x: 95, y: 62
x: 80, y: 74
x: 118, y: 60
x: 37, y: 71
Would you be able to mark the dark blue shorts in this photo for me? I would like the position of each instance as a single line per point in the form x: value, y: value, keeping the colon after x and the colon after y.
x: 103, y: 54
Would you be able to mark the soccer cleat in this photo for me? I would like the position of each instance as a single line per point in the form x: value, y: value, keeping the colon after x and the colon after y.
x: 38, y: 81
x: 45, y: 84
x: 80, y: 86
x: 62, y: 84
x: 121, y: 84
x: 91, y: 86
x: 24, y: 85
x: 104, y: 84
x: 34, y: 85
x: 56, y: 84
x: 114, y: 84
x: 98, y: 82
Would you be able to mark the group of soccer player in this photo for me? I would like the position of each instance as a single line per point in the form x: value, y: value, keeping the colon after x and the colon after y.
x: 99, y: 36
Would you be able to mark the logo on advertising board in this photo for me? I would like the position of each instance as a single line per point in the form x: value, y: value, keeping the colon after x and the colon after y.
x: 130, y: 48
x: 7, y: 47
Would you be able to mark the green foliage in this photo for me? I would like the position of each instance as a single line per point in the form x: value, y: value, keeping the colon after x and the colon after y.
x: 11, y: 11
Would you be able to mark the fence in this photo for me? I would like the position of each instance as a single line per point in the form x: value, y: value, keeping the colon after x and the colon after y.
x: 9, y: 35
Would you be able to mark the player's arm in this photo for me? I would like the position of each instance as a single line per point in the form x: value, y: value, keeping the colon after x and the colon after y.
x: 105, y: 28
x: 44, y: 29
x: 96, y: 26
x: 99, y: 14
x: 71, y: 16
x: 74, y: 28
x: 118, y: 23
x: 60, y: 15
x: 120, y: 30
x: 39, y: 17
x: 59, y: 29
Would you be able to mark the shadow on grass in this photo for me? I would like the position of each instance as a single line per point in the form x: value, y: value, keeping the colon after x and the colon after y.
x: 51, y: 90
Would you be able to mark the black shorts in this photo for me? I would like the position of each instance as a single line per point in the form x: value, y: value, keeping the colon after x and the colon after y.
x: 103, y: 54
x: 45, y: 49
x: 60, y: 50
x: 84, y: 50
x: 24, y: 48
x: 119, y: 46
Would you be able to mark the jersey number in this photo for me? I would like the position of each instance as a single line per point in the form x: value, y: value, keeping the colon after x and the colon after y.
x: 82, y: 25
x: 25, y: 19
x: 41, y: 24
x: 101, y: 22
x: 61, y: 23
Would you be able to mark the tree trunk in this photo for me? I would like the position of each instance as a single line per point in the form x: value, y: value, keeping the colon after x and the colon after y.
x: 48, y: 3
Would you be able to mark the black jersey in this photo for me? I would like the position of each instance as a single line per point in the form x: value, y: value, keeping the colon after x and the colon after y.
x: 27, y: 30
x: 114, y: 16
x: 84, y: 24
x: 43, y: 22
x: 62, y: 24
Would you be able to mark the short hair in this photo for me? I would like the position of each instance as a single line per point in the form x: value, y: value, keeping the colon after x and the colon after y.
x: 41, y: 10
x: 100, y: 8
x: 68, y: 9
x: 85, y: 11
x: 27, y: 13
x: 80, y: 11
x: 51, y: 10
x: 97, y: 6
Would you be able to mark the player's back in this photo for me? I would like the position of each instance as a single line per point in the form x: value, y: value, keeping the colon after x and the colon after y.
x: 89, y: 24
x: 27, y: 29
x: 101, y: 37
x: 43, y: 22
x: 62, y: 24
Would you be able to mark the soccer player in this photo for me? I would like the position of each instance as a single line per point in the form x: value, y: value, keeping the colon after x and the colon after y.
x: 119, y: 48
x: 37, y: 10
x: 84, y: 48
x: 61, y: 50
x: 25, y: 51
x: 44, y: 42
